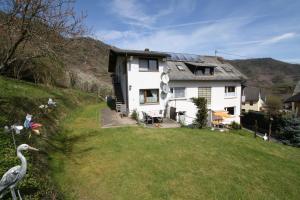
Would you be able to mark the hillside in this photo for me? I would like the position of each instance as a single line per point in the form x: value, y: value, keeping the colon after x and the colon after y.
x: 18, y: 98
x: 87, y: 59
x: 276, y: 77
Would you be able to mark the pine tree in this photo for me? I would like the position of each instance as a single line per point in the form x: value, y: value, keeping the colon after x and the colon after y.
x: 291, y: 130
x: 201, y: 116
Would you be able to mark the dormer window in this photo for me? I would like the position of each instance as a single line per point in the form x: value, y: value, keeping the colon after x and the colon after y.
x: 148, y: 65
x: 204, y: 71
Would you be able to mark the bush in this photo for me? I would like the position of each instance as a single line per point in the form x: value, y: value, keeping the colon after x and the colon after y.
x: 235, y: 125
x: 201, y: 116
x: 135, y: 115
x: 290, y: 130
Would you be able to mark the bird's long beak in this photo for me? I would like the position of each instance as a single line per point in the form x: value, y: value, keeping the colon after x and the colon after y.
x: 32, y: 148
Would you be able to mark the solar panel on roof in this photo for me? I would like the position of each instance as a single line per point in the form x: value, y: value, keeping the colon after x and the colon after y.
x: 184, y: 57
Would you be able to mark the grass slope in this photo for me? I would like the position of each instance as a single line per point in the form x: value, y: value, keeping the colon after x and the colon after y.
x: 140, y: 163
x: 18, y: 98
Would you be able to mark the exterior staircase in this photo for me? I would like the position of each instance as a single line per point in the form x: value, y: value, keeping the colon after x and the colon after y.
x: 119, y: 99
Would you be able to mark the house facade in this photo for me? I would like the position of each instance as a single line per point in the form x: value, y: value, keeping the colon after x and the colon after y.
x: 294, y: 100
x: 166, y: 83
x: 254, y: 99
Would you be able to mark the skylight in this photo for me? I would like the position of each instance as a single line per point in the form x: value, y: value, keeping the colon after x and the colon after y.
x: 180, y: 68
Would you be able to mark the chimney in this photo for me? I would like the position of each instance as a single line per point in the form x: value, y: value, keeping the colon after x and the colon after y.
x: 147, y: 49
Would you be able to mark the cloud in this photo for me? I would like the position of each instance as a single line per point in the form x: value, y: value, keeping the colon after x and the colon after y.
x: 279, y: 38
x: 205, y: 38
x: 266, y: 41
x: 112, y: 35
x: 133, y: 13
x: 173, y: 26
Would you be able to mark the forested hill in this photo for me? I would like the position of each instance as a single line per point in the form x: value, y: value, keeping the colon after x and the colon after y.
x: 276, y: 77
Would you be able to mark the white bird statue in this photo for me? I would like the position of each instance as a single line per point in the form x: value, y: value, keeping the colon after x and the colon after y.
x: 11, y: 178
x: 265, y: 137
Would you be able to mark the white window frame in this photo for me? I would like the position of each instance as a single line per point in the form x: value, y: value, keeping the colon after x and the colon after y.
x: 230, y: 94
x: 174, y: 90
x: 234, y: 109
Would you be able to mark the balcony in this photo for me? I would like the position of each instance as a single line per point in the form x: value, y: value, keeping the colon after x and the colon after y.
x: 230, y: 94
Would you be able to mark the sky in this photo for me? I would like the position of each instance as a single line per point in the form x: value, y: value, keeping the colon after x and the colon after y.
x: 236, y: 29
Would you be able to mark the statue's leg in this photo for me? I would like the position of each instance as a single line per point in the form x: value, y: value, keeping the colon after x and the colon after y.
x: 13, y: 193
x: 3, y: 194
x: 19, y: 195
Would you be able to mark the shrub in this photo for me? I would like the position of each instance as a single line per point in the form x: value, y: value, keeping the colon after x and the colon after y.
x: 201, y: 116
x: 135, y: 115
x: 235, y: 125
x: 290, y: 130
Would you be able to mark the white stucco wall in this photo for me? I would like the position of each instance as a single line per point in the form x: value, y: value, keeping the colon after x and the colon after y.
x: 218, y: 99
x: 143, y: 80
x: 257, y: 105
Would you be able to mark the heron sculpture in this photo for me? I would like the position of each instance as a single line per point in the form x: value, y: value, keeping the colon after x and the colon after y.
x: 13, y: 176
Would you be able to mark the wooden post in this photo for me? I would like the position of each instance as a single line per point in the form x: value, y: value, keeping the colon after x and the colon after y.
x: 255, y: 128
x: 270, y: 128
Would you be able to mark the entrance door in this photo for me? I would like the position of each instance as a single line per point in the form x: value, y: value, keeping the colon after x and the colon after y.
x: 173, y: 113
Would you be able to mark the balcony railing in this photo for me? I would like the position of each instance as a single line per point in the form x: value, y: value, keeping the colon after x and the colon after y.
x: 230, y: 94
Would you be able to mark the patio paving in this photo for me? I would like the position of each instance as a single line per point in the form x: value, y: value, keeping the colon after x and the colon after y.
x: 110, y: 118
x: 167, y: 123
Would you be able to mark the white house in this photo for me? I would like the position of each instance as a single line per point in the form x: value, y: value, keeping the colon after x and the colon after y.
x: 149, y: 81
x: 255, y: 99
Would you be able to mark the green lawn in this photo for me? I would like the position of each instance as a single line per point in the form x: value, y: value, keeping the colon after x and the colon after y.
x: 142, y: 163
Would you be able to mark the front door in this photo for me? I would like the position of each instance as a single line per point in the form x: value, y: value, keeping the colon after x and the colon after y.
x: 173, y: 113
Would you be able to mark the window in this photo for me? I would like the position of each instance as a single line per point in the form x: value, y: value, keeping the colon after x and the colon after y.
x: 230, y: 91
x: 148, y: 65
x: 251, y: 103
x: 178, y: 92
x: 207, y: 71
x: 149, y: 96
x: 205, y: 92
x: 230, y: 110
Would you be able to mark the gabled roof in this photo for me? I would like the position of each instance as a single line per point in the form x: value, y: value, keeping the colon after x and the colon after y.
x: 297, y: 88
x: 222, y: 70
x: 294, y: 98
x: 139, y: 52
x: 114, y: 52
x: 252, y: 94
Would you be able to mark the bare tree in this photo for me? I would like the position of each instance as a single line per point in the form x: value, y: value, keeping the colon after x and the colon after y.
x: 32, y: 29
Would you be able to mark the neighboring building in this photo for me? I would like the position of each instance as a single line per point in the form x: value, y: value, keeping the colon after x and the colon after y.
x: 254, y: 99
x: 294, y: 100
x: 166, y: 82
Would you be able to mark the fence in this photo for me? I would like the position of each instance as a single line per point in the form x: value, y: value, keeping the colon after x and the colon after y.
x: 263, y: 122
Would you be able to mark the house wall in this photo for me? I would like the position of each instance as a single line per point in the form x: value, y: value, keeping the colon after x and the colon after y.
x: 218, y: 99
x: 257, y: 105
x: 152, y: 80
x: 143, y: 80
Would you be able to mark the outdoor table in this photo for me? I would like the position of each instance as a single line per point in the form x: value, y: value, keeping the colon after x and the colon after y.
x: 153, y: 115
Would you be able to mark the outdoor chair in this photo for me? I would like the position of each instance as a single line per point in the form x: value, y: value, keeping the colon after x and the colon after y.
x: 146, y: 118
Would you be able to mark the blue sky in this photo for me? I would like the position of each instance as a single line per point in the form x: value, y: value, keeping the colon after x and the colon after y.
x: 252, y: 28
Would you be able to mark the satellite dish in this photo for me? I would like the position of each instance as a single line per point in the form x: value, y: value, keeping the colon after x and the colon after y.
x: 165, y: 78
x: 165, y: 89
x: 163, y: 95
x: 166, y: 69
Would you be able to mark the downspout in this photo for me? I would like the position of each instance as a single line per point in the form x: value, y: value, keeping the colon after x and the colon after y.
x: 127, y: 88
